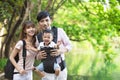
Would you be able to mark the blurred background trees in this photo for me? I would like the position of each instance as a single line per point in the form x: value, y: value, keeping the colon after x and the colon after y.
x: 14, y: 12
x: 89, y: 23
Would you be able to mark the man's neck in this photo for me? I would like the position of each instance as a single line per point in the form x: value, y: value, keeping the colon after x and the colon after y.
x: 49, y: 27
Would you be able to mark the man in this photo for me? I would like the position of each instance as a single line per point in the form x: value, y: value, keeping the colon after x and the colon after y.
x: 44, y: 22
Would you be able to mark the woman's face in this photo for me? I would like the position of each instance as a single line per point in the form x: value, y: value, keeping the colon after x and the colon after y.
x: 30, y: 31
x: 47, y: 38
x: 45, y: 23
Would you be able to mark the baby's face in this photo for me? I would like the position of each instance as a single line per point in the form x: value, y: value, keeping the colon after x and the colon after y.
x: 47, y: 38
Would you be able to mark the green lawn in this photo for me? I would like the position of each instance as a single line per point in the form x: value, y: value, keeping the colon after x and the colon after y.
x: 84, y: 64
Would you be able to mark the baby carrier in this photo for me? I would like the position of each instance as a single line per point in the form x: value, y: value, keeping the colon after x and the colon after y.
x: 48, y: 63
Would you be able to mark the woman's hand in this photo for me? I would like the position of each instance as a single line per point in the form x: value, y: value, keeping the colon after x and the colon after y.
x: 22, y: 71
x: 28, y: 47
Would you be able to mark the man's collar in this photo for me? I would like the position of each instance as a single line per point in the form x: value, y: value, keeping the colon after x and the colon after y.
x: 49, y: 28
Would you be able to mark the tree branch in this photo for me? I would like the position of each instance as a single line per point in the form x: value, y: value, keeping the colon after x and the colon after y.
x: 54, y: 9
x: 3, y: 35
x: 60, y: 4
x: 48, y: 5
x: 86, y: 8
x: 78, y: 40
x: 39, y: 5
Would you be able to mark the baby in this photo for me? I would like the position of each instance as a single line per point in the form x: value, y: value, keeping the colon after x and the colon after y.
x: 50, y: 63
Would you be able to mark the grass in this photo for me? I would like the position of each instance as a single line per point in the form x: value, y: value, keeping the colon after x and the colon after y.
x: 84, y: 64
x: 2, y: 64
x: 80, y: 59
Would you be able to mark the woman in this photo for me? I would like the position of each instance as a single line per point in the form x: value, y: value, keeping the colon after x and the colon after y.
x: 28, y: 35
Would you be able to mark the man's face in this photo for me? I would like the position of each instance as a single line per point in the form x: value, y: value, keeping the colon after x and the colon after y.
x: 45, y: 23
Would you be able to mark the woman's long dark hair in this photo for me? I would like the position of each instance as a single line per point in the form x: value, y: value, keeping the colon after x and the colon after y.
x: 23, y: 34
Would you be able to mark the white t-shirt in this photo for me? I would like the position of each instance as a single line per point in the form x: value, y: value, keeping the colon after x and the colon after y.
x: 41, y: 45
x: 30, y: 57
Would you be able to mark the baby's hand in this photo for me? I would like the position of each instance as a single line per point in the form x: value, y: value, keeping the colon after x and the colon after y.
x: 58, y: 43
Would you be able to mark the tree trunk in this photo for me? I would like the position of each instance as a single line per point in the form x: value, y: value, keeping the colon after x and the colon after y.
x: 39, y: 5
x: 10, y: 36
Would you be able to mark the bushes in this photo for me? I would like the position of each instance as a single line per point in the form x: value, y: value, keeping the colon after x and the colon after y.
x: 2, y: 63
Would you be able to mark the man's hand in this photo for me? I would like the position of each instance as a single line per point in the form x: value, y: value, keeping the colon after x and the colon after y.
x: 41, y: 55
x: 55, y: 52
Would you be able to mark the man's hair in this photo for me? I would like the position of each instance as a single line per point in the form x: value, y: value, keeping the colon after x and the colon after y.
x: 48, y: 31
x: 42, y: 14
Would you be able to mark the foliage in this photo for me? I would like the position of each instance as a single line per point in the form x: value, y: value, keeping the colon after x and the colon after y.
x: 2, y: 63
x: 84, y: 64
x: 92, y: 21
x: 15, y: 12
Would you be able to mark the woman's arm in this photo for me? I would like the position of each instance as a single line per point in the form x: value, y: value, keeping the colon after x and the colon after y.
x: 12, y: 59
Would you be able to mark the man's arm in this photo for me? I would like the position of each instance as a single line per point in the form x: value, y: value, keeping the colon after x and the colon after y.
x: 65, y: 43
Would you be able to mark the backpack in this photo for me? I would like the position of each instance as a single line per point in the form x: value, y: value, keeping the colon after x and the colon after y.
x: 47, y: 62
x: 9, y: 67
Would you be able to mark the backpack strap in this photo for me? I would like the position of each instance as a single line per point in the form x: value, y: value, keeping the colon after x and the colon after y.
x: 55, y: 33
x: 54, y: 30
x: 24, y: 53
x: 39, y: 37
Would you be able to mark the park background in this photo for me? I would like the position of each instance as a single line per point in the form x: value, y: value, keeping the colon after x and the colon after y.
x: 93, y: 27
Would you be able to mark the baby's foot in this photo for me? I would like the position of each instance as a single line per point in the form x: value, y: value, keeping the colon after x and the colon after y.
x: 57, y: 72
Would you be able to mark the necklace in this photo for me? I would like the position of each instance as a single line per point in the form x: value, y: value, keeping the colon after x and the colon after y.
x: 29, y: 42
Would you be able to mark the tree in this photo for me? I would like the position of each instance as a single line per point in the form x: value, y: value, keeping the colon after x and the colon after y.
x: 89, y: 21
x: 17, y: 11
